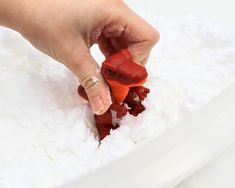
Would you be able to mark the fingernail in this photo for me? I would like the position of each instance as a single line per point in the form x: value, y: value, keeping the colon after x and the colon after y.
x: 97, y: 106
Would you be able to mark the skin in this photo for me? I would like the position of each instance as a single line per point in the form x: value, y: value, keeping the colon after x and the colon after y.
x: 65, y: 30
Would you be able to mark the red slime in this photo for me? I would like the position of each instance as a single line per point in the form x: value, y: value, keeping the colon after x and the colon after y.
x: 125, y: 78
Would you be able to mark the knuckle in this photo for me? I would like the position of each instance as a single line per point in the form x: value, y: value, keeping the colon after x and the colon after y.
x: 155, y: 36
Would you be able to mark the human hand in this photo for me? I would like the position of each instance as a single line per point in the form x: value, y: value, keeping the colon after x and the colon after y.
x: 66, y: 29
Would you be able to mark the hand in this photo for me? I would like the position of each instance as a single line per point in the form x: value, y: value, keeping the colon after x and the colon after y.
x: 66, y: 29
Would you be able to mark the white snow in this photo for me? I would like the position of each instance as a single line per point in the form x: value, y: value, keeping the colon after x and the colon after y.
x: 47, y: 134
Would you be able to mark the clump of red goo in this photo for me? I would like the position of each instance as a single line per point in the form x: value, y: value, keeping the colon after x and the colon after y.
x: 125, y: 78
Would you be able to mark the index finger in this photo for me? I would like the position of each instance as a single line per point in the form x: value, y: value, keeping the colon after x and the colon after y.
x: 140, y: 35
x: 125, y: 29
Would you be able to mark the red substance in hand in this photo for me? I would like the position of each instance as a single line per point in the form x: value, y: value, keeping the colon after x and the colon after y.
x: 125, y: 78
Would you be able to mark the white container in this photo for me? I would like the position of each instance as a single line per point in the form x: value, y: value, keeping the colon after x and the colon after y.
x: 167, y: 160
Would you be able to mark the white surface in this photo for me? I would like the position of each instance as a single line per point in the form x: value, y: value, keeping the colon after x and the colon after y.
x: 218, y: 173
x: 169, y: 159
x: 220, y: 10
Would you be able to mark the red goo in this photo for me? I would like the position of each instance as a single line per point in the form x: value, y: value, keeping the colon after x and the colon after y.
x: 126, y: 79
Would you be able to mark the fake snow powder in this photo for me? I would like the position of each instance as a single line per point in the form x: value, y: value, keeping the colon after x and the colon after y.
x: 47, y: 134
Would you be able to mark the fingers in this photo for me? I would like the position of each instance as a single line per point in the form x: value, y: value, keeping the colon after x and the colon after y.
x: 129, y: 31
x: 142, y: 37
x: 81, y: 63
x: 138, y: 45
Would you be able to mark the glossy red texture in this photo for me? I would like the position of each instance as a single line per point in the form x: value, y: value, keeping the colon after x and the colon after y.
x: 126, y: 79
x: 121, y: 68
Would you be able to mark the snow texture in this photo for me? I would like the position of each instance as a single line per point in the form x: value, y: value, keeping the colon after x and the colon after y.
x: 47, y: 132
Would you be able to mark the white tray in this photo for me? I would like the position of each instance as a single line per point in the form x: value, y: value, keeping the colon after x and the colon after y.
x: 167, y: 160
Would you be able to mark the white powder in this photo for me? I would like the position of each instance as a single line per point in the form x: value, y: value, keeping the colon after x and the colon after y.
x: 47, y: 135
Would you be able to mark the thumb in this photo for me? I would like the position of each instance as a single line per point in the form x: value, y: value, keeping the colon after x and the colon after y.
x: 82, y: 64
